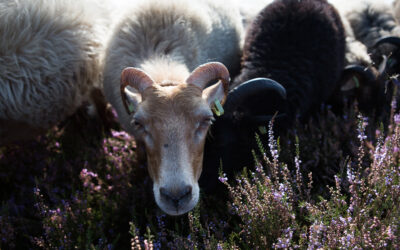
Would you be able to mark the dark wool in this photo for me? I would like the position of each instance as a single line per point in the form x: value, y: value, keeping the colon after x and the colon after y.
x: 301, y: 45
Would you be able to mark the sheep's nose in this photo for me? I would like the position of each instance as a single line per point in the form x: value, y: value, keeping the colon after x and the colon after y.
x: 177, y: 196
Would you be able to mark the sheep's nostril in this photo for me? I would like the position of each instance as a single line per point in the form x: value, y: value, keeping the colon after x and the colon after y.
x: 176, y: 195
x: 165, y: 194
x: 187, y: 191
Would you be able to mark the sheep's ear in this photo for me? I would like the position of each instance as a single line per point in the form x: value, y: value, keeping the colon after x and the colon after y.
x: 354, y: 74
x: 214, y: 93
x: 350, y: 84
x: 133, y: 98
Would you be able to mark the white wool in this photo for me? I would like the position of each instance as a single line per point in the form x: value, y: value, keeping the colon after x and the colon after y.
x: 49, y: 61
x: 168, y: 39
x: 396, y: 10
x: 368, y: 21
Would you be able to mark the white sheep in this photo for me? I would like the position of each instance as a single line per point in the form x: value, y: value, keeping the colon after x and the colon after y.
x: 370, y: 20
x: 49, y: 63
x: 165, y: 41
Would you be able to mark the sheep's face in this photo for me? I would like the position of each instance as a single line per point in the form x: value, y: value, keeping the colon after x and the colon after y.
x: 171, y: 122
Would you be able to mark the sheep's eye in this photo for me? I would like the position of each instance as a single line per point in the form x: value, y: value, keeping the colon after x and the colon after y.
x: 137, y: 124
x: 206, y: 122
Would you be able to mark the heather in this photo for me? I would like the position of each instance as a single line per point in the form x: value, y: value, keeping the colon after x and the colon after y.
x: 331, y: 182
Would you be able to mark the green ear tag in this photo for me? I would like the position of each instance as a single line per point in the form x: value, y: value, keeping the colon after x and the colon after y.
x: 389, y: 62
x: 218, y: 109
x: 131, y: 108
x: 263, y: 130
x: 355, y: 79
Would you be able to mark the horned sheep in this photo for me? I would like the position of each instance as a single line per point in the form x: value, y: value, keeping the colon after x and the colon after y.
x: 49, y: 64
x: 371, y: 21
x: 300, y: 47
x: 164, y: 101
x: 373, y: 24
x: 279, y: 45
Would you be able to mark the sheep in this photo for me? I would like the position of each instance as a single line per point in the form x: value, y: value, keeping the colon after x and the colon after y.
x: 374, y: 25
x: 49, y: 64
x: 165, y: 107
x: 300, y: 46
x: 286, y: 50
x: 370, y: 21
x: 360, y: 76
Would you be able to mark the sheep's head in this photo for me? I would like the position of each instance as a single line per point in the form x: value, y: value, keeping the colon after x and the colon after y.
x: 170, y: 122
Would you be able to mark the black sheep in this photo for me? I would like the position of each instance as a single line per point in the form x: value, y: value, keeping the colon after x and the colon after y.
x: 299, y: 44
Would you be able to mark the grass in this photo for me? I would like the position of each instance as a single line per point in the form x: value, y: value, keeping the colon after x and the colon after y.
x: 333, y: 182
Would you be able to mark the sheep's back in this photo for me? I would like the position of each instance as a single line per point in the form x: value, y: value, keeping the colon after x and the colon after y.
x: 48, y: 61
x: 301, y: 45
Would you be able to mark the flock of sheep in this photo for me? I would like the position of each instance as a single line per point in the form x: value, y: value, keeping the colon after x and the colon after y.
x: 164, y: 67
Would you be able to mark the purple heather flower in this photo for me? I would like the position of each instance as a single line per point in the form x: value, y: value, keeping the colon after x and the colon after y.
x: 121, y: 134
x: 337, y: 180
x: 223, y: 178
x: 282, y: 188
x: 350, y: 175
x: 388, y: 180
x: 350, y: 209
x: 114, y: 112
x: 85, y: 173
x: 362, y: 136
x: 278, y: 195
x: 363, y: 122
x: 271, y: 142
x: 297, y: 162
x: 394, y: 104
x: 397, y: 118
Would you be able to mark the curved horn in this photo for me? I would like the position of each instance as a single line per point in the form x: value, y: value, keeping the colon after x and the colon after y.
x: 365, y: 72
x: 394, y: 40
x: 208, y: 72
x: 250, y: 88
x: 135, y: 78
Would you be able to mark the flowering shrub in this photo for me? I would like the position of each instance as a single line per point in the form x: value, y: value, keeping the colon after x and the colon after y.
x: 331, y: 183
x: 264, y: 202
x: 273, y: 207
x: 87, y: 218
